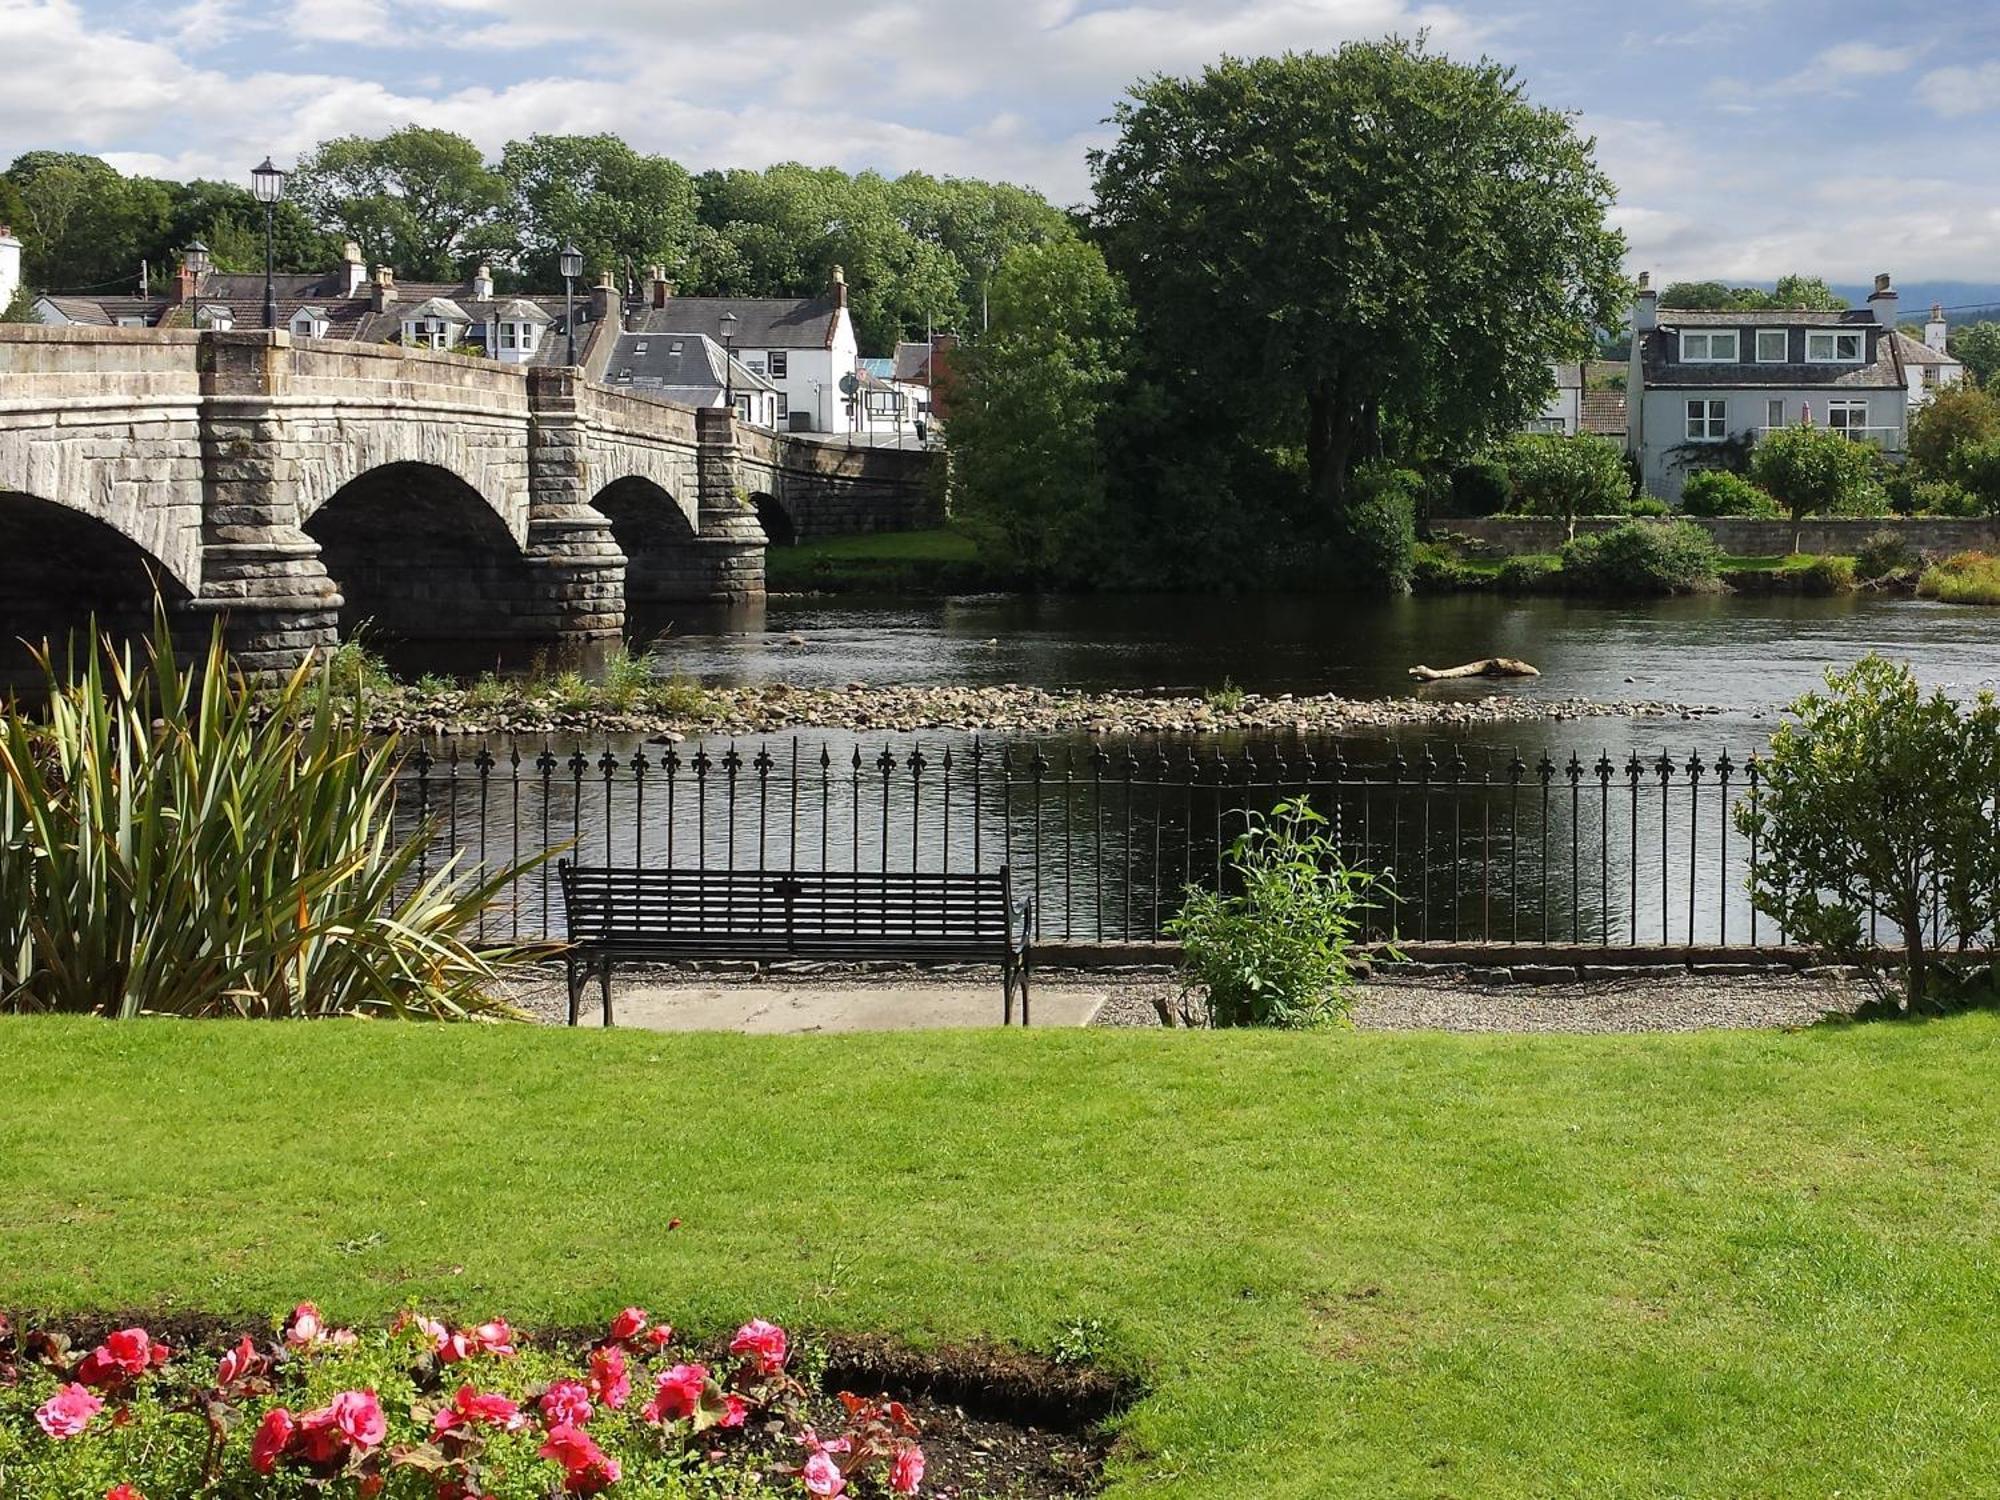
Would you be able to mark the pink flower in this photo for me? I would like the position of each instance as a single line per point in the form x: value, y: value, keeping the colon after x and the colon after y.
x: 307, y: 1327
x: 609, y: 1383
x: 124, y: 1355
x: 470, y: 1408
x: 358, y: 1414
x: 449, y: 1347
x: 660, y: 1335
x: 822, y: 1476
x: 494, y: 1338
x: 906, y: 1470
x: 678, y: 1394
x: 566, y: 1404
x: 764, y: 1343
x: 68, y: 1411
x: 628, y: 1324
x: 274, y: 1436
x: 734, y: 1409
x: 586, y: 1467
x: 123, y: 1492
x: 239, y: 1362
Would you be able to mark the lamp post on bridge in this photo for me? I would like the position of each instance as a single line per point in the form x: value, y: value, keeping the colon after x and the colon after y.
x: 728, y: 323
x: 267, y: 182
x: 571, y: 262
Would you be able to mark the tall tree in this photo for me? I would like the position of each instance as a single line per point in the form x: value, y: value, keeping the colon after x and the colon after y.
x: 421, y: 200
x: 621, y: 209
x: 1792, y: 291
x: 1032, y: 397
x: 87, y: 227
x: 1977, y: 346
x: 1326, y: 242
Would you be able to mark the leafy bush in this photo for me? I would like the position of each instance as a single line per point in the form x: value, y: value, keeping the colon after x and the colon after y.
x: 1642, y: 558
x: 1717, y: 492
x: 1434, y: 568
x: 1815, y: 470
x: 1827, y: 575
x: 1567, y: 477
x: 1531, y: 574
x: 1376, y: 531
x: 1481, y: 487
x: 1650, y: 506
x: 1874, y: 799
x: 424, y: 1409
x: 1944, y: 497
x: 1886, y: 555
x: 1953, y: 419
x: 173, y: 842
x: 1977, y: 470
x: 1962, y: 578
x: 1280, y: 953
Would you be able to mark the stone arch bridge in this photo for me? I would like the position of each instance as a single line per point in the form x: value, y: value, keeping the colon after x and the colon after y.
x: 296, y: 488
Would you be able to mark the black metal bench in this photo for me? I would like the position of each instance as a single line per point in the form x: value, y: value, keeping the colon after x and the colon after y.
x: 615, y: 912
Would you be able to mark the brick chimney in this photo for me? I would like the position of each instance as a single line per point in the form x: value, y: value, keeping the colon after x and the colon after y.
x: 1645, y: 306
x: 840, y: 286
x: 604, y: 298
x: 1882, y: 301
x: 385, y: 288
x: 186, y: 285
x: 482, y: 284
x: 659, y: 290
x: 1936, y: 331
x: 354, y: 270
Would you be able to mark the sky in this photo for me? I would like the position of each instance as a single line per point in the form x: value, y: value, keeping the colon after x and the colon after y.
x: 1748, y: 137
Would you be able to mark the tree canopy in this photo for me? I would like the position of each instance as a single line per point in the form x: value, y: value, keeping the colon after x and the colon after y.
x: 419, y: 199
x: 621, y: 209
x: 1794, y: 291
x: 1352, y: 251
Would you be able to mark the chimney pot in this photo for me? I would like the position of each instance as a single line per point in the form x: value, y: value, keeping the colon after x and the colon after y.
x: 385, y: 288
x: 1645, y: 306
x: 1882, y: 281
x: 1645, y: 281
x: 1937, y: 334
x: 1883, y: 300
x: 840, y: 286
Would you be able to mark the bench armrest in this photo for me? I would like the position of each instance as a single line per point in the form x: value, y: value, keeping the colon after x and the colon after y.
x: 1021, y: 929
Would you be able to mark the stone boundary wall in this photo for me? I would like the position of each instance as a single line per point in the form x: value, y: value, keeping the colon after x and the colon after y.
x: 1743, y: 537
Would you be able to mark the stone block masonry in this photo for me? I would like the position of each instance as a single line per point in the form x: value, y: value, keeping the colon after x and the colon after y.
x: 297, y: 487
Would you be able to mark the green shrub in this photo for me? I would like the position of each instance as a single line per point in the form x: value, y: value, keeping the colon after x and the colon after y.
x: 1650, y: 506
x: 1962, y: 578
x: 1977, y: 468
x: 1481, y: 487
x: 1874, y: 800
x: 173, y: 842
x: 1717, y: 492
x: 1815, y: 470
x: 1951, y: 421
x: 1827, y: 575
x: 1281, y: 952
x: 1376, y: 532
x: 627, y: 675
x: 1531, y: 574
x: 1944, y: 497
x: 1435, y: 569
x: 1642, y: 558
x: 1886, y: 555
x: 1567, y: 477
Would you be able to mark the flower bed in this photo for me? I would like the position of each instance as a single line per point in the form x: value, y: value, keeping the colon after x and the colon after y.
x: 425, y: 1410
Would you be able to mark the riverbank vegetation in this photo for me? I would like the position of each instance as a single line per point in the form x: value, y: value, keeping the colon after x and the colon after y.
x: 1964, y: 578
x: 1625, y: 1266
x: 946, y: 560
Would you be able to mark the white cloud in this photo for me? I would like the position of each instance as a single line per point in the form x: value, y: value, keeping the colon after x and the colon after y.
x: 1961, y: 90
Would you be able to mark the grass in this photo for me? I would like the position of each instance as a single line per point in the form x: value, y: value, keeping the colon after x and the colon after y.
x: 943, y: 560
x: 1963, y: 578
x: 1354, y: 1264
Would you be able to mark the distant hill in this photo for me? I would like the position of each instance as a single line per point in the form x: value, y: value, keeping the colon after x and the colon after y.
x: 1965, y: 301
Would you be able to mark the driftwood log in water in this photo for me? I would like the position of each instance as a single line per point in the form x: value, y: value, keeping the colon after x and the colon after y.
x: 1492, y: 666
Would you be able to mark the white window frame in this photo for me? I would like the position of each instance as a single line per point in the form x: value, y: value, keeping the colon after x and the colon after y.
x: 1837, y: 334
x: 1848, y: 408
x: 509, y: 336
x: 1784, y: 338
x: 1708, y: 356
x: 784, y: 407
x: 1774, y: 411
x: 778, y: 364
x: 1711, y: 424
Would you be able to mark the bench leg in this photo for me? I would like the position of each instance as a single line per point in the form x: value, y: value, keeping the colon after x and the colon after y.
x: 573, y: 973
x: 604, y: 987
x: 1025, y: 967
x: 1007, y: 990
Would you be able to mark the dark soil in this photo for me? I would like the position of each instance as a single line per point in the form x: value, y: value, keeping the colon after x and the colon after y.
x: 996, y: 1424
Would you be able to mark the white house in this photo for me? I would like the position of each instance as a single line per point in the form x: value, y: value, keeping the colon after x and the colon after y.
x: 1698, y: 380
x: 1563, y: 411
x: 691, y: 370
x: 803, y: 346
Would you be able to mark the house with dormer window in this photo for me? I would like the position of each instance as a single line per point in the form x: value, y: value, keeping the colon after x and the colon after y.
x: 1700, y: 382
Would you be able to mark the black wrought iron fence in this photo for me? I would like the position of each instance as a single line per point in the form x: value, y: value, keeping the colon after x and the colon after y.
x: 1109, y: 835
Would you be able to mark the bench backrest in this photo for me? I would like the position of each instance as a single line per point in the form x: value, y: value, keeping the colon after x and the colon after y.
x: 802, y: 907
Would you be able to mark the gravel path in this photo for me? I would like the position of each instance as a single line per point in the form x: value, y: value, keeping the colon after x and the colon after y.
x: 1676, y: 1002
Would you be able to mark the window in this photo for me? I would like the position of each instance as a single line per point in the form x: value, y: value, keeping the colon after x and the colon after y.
x: 1772, y: 346
x: 784, y: 406
x: 1708, y: 421
x: 1835, y: 348
x: 530, y: 336
x: 1774, y: 412
x: 1716, y: 347
x: 131, y: 322
x: 507, y: 335
x: 640, y: 347
x: 216, y: 317
x: 779, y: 364
x: 306, y: 326
x: 743, y: 408
x: 885, y: 403
x: 1848, y: 417
x: 1547, y: 424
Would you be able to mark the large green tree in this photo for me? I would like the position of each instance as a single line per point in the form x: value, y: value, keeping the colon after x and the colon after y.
x: 86, y: 227
x: 620, y: 208
x: 421, y: 200
x: 1792, y: 291
x: 1977, y: 346
x: 1032, y: 398
x: 1329, y: 246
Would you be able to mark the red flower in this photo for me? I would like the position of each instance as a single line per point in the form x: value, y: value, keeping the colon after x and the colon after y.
x: 274, y: 1436
x: 677, y: 1395
x: 734, y: 1409
x: 470, y: 1408
x: 123, y: 1492
x: 628, y: 1324
x: 906, y: 1470
x: 494, y: 1338
x: 660, y: 1335
x: 67, y: 1412
x: 566, y: 1404
x: 763, y: 1343
x: 242, y: 1361
x: 124, y: 1355
x: 586, y: 1467
x: 609, y: 1383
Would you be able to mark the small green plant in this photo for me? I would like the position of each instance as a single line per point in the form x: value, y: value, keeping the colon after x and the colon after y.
x: 680, y: 696
x: 1886, y: 555
x: 1280, y: 951
x: 1717, y: 492
x: 1651, y: 506
x: 1227, y: 699
x: 627, y: 675
x: 1962, y: 578
x: 487, y: 692
x: 434, y: 684
x: 1533, y: 573
x: 1642, y: 559
x: 356, y: 669
x: 1824, y: 575
x: 573, y: 691
x: 1081, y: 1341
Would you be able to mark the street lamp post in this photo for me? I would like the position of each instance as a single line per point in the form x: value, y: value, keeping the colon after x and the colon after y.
x: 571, y: 261
x: 268, y: 183
x: 729, y: 364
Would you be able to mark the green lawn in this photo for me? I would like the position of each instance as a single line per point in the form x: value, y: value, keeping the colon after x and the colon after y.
x: 937, y: 561
x: 1365, y: 1264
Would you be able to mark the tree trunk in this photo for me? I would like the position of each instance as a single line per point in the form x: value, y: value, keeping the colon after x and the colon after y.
x: 1915, y: 965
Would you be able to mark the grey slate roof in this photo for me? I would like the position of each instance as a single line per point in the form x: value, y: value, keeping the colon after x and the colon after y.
x: 761, y: 322
x: 683, y: 367
x: 1880, y: 369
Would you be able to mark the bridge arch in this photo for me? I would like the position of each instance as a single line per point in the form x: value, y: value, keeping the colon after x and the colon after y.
x: 780, y: 530
x: 653, y: 531
x: 488, y: 461
x: 419, y: 554
x: 60, y: 565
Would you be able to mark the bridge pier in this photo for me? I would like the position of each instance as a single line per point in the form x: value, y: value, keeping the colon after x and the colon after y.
x: 576, y: 568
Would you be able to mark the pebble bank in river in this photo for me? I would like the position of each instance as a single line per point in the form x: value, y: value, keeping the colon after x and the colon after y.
x: 775, y: 707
